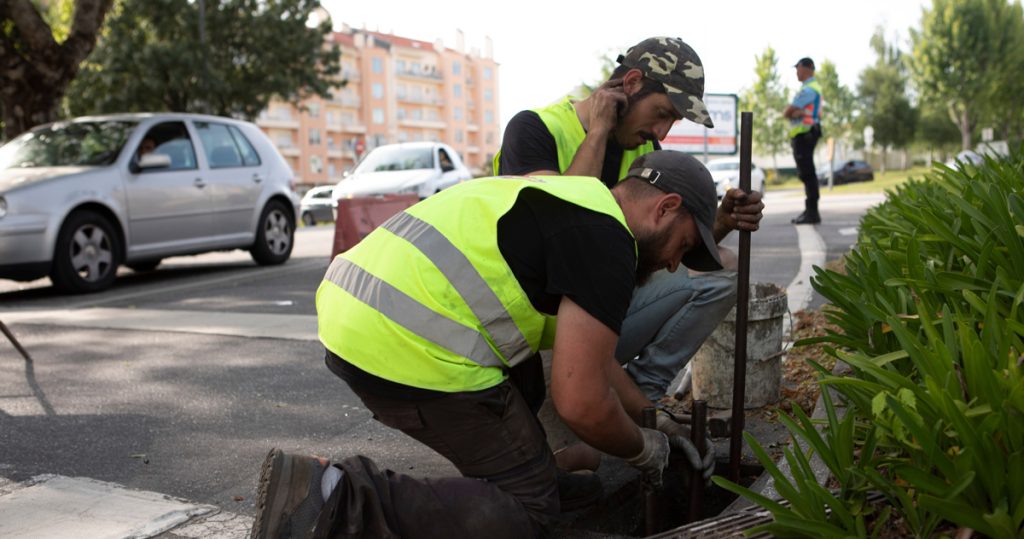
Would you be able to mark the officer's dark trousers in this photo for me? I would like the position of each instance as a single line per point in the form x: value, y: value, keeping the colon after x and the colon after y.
x: 803, y: 154
x: 509, y: 488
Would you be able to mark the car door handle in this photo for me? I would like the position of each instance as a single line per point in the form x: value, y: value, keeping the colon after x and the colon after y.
x: 200, y: 183
x: 257, y: 178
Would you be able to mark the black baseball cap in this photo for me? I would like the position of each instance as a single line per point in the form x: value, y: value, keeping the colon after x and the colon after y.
x: 805, y: 62
x: 680, y: 173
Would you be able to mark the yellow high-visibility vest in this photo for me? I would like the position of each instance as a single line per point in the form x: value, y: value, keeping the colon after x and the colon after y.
x: 427, y: 299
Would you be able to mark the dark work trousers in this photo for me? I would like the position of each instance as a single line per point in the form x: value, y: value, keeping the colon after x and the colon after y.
x: 803, y: 154
x: 509, y: 488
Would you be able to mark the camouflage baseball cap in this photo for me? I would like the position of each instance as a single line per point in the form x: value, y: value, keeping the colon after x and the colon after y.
x: 676, y: 66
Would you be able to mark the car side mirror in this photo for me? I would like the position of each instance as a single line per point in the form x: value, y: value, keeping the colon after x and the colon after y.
x: 153, y: 160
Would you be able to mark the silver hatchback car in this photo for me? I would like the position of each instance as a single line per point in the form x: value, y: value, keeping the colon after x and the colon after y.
x: 81, y: 197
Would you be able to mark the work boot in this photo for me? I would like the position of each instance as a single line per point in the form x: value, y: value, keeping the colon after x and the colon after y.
x: 289, y: 498
x: 578, y: 490
x: 806, y: 219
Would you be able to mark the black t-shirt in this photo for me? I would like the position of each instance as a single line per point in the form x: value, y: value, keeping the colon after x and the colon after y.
x: 554, y: 248
x: 528, y: 146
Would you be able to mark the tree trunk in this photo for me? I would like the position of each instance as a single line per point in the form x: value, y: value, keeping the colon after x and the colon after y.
x: 965, y: 130
x: 35, y: 70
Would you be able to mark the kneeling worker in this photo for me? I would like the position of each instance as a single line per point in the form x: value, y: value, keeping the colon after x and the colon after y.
x: 426, y: 318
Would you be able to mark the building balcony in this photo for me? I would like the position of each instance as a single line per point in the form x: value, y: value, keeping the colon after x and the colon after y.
x: 269, y: 121
x: 419, y: 75
x: 289, y: 151
x: 334, y: 127
x: 350, y: 101
x: 472, y: 128
x: 420, y: 100
x: 353, y: 128
x: 429, y: 124
x: 472, y: 149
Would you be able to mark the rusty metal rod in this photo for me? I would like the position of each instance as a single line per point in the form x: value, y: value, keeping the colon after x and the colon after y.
x: 739, y: 387
x: 652, y: 525
x: 14, y: 341
x: 697, y: 429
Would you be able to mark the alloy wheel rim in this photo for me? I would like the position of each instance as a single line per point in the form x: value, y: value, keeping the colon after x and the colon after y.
x: 277, y: 232
x: 92, y: 255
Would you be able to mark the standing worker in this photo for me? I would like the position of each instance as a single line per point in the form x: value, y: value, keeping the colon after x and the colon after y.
x: 804, y: 115
x: 658, y: 82
x: 428, y: 318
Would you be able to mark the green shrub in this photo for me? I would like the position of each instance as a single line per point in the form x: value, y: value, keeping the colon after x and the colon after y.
x: 930, y: 319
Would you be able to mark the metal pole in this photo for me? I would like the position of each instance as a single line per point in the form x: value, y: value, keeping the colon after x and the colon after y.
x: 739, y: 388
x: 205, y: 77
x: 698, y: 427
x: 651, y: 525
x: 14, y: 341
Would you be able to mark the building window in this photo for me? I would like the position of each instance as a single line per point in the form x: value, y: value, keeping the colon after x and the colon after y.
x: 316, y: 165
x: 457, y: 113
x: 487, y: 73
x: 488, y: 117
x: 377, y: 65
x: 489, y: 138
x: 458, y: 136
x: 456, y: 68
x: 400, y: 91
x: 378, y: 116
x: 378, y: 90
x: 314, y: 137
x: 457, y: 90
x: 314, y: 110
x: 400, y: 66
x: 488, y: 95
x: 432, y: 115
x: 401, y: 114
x: 331, y: 171
x: 416, y: 114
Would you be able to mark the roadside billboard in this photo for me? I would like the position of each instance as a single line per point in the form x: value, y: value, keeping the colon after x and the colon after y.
x: 689, y: 137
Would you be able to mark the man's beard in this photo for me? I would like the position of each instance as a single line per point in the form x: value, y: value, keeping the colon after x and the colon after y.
x: 648, y: 246
x: 631, y: 101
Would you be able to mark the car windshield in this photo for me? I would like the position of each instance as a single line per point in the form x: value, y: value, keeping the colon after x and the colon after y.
x: 726, y: 165
x: 67, y: 145
x: 387, y: 158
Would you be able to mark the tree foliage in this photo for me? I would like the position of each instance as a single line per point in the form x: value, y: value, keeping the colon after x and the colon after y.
x: 152, y: 59
x: 40, y: 53
x: 840, y: 103
x: 767, y: 98
x: 883, y: 96
x: 967, y: 57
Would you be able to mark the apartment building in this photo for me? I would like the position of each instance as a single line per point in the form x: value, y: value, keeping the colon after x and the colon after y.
x: 398, y: 90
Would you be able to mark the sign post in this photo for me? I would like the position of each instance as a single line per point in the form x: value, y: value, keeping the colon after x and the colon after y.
x: 689, y: 137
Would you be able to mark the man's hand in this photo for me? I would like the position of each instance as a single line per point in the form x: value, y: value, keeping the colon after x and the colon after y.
x: 679, y: 439
x: 738, y: 211
x: 653, y: 459
x: 606, y: 103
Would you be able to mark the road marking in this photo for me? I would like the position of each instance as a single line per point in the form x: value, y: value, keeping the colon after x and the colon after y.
x: 59, y: 506
x: 263, y: 273
x: 300, y: 327
x: 812, y: 253
x: 851, y: 231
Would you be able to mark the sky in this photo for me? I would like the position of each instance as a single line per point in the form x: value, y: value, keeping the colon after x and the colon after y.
x: 545, y: 49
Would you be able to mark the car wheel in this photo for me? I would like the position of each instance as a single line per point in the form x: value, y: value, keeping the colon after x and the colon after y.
x: 143, y: 266
x: 87, y: 253
x: 308, y: 219
x: 275, y: 235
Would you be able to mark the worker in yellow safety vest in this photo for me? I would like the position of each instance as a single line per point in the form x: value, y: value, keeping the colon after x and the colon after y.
x: 430, y: 316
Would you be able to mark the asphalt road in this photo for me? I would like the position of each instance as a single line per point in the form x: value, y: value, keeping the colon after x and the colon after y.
x: 191, y: 414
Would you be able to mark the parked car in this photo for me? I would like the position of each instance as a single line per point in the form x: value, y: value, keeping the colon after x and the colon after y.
x: 966, y: 157
x: 79, y: 198
x: 726, y: 174
x: 847, y: 172
x: 317, y: 206
x: 423, y: 168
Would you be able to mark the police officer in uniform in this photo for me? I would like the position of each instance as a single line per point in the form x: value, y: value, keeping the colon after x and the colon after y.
x: 804, y: 115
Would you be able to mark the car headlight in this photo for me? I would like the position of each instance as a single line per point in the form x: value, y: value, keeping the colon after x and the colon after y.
x: 3, y: 207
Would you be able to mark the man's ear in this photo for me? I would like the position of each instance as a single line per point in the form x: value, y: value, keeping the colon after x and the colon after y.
x: 668, y: 205
x: 632, y: 81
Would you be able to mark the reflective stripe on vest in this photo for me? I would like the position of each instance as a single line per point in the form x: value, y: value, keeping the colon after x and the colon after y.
x: 411, y: 314
x: 565, y: 127
x: 427, y: 299
x: 807, y: 119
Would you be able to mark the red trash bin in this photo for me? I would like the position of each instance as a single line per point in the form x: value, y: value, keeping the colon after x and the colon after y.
x: 358, y: 216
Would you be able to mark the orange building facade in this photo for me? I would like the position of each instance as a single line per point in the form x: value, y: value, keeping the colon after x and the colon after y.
x: 398, y: 90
